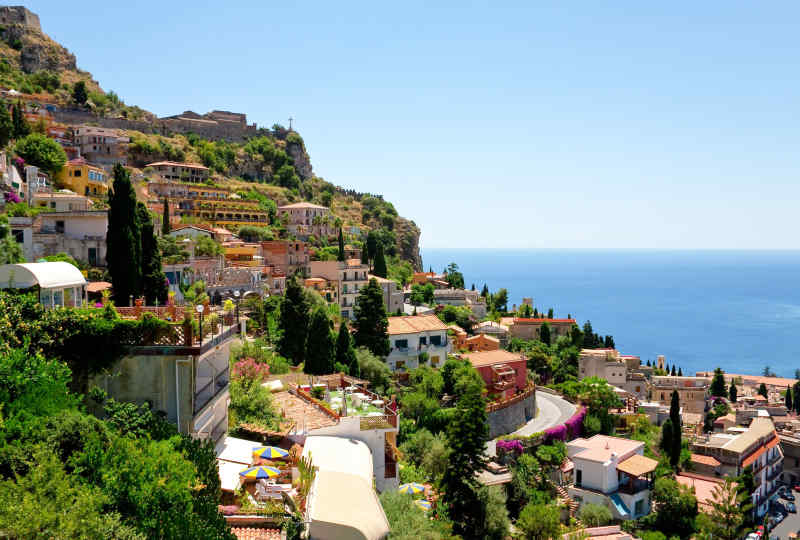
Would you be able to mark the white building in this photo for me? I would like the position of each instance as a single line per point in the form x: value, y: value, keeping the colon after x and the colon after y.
x: 411, y: 336
x: 612, y: 472
x: 60, y: 284
x: 392, y: 294
x: 349, y: 278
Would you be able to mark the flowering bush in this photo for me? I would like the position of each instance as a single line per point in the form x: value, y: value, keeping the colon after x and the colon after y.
x: 250, y: 369
x: 556, y: 433
x: 575, y: 423
x: 11, y: 197
x: 509, y: 447
x: 19, y: 162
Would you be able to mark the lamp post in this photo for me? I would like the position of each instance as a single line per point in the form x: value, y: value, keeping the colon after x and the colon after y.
x: 199, y: 309
x: 236, y: 299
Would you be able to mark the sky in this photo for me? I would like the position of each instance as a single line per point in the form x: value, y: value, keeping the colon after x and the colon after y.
x: 494, y: 124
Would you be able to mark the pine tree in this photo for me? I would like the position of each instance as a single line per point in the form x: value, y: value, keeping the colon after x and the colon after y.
x: 123, y: 239
x: 467, y: 434
x: 154, y: 281
x: 340, y: 256
x: 165, y: 225
x: 762, y: 390
x: 294, y: 322
x: 550, y: 313
x: 79, y: 94
x: 379, y: 265
x: 608, y: 343
x: 371, y: 322
x: 588, y: 335
x: 733, y: 392
x: 789, y: 403
x: 345, y: 355
x: 675, y: 417
x: 6, y: 125
x: 21, y: 126
x: 320, y: 348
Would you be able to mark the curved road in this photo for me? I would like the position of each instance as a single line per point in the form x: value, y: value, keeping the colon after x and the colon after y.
x: 552, y: 410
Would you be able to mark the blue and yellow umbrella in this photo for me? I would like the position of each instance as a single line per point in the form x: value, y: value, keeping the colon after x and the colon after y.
x: 425, y: 505
x: 260, y: 472
x: 412, y: 489
x: 270, y: 452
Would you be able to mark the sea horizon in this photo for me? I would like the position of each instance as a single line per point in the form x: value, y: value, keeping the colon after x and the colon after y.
x: 737, y: 309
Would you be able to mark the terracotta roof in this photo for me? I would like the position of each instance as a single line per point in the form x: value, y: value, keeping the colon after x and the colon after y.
x: 525, y: 320
x: 97, y: 286
x: 457, y: 329
x: 301, y: 412
x: 705, y: 460
x: 301, y: 205
x: 703, y: 487
x: 411, y: 324
x: 256, y: 533
x: 483, y: 336
x: 637, y: 465
x: 487, y: 358
x: 176, y: 164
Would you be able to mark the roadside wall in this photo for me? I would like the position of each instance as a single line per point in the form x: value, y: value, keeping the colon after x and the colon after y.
x: 511, y: 418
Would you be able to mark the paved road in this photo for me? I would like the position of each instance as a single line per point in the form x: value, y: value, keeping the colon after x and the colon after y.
x: 789, y: 525
x: 552, y: 410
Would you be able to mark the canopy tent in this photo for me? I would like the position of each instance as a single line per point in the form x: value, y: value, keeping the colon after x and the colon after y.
x: 60, y: 283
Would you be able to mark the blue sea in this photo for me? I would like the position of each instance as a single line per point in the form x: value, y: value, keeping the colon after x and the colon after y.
x: 739, y: 310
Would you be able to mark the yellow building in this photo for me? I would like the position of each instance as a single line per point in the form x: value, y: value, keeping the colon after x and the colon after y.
x: 82, y: 178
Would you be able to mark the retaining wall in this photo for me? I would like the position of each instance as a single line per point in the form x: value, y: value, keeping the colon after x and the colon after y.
x: 512, y: 417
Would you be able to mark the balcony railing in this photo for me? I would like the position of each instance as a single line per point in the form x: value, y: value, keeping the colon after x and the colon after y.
x: 216, y: 384
x: 637, y: 486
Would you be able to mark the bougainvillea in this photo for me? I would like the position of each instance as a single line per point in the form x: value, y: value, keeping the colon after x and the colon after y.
x: 575, y: 423
x: 11, y: 197
x: 250, y: 369
x: 510, y: 447
x: 555, y: 433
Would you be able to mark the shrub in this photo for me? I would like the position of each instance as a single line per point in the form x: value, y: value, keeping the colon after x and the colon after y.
x: 509, y: 447
x: 556, y: 433
x: 41, y: 151
x: 251, y: 369
x: 595, y: 515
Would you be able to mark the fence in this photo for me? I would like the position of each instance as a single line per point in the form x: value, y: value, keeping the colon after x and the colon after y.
x: 497, y: 405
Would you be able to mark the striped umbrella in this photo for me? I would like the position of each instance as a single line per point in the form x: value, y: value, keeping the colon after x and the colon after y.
x: 260, y: 472
x: 425, y: 505
x: 412, y: 489
x: 270, y: 452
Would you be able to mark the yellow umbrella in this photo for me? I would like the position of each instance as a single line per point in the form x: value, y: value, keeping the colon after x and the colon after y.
x: 412, y: 489
x: 425, y: 505
x: 260, y: 472
x: 270, y: 452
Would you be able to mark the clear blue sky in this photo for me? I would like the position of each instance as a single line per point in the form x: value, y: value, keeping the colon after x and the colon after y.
x: 495, y: 124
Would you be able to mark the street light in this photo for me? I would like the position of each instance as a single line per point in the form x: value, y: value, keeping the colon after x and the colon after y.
x: 236, y: 296
x: 199, y: 309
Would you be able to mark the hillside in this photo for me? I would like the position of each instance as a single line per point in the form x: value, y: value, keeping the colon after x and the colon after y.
x: 256, y: 162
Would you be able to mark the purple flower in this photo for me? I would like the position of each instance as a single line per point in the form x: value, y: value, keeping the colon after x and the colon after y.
x: 508, y: 447
x: 556, y: 433
x: 11, y: 197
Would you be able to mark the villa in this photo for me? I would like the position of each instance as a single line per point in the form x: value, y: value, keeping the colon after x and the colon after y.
x: 612, y: 472
x: 415, y: 340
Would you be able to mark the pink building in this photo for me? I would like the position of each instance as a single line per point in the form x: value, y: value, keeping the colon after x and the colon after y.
x: 504, y: 373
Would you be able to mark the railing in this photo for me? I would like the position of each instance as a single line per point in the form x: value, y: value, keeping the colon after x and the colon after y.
x: 385, y: 421
x: 502, y: 385
x: 216, y: 384
x: 774, y: 474
x: 636, y: 487
x: 497, y: 405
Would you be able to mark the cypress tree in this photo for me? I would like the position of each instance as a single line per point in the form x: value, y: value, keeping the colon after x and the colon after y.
x: 733, y: 392
x: 673, y: 370
x: 320, y: 349
x: 762, y: 390
x: 123, y: 240
x: 154, y: 281
x: 648, y: 362
x: 345, y: 354
x: 6, y: 125
x: 364, y: 256
x: 796, y: 393
x: 544, y: 333
x: 379, y: 265
x: 165, y: 226
x: 718, y: 384
x: 675, y: 417
x: 680, y: 372
x: 473, y: 287
x: 588, y: 335
x: 485, y: 291
x: 666, y: 369
x: 550, y: 313
x: 789, y: 404
x: 371, y: 322
x: 667, y: 437
x: 340, y: 256
x: 294, y: 322
x: 467, y: 434
x: 21, y: 126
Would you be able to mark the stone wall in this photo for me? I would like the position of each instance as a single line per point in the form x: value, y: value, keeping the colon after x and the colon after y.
x: 19, y: 15
x: 511, y: 418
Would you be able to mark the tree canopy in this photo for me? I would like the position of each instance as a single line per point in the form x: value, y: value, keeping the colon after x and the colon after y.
x: 371, y: 322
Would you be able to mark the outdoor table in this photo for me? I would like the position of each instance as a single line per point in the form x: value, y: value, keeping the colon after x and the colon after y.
x: 377, y: 402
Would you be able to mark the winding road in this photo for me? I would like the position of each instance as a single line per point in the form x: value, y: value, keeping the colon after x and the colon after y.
x: 552, y: 410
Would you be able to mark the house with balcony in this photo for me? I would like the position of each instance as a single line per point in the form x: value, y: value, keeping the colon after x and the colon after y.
x: 757, y: 447
x: 190, y: 197
x: 180, y: 172
x: 504, y: 373
x: 350, y: 277
x: 612, y: 472
x: 304, y: 219
x: 287, y: 256
x: 103, y: 146
x: 530, y: 328
x: 184, y: 377
x: 61, y: 201
x: 416, y: 340
x: 79, y: 233
x: 83, y: 178
x: 461, y: 297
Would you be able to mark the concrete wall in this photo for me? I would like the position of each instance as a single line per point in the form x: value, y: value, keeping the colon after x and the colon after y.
x: 511, y: 418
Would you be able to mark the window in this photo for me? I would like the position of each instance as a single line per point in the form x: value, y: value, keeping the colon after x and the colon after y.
x: 60, y: 226
x: 638, y: 508
x: 436, y: 340
x: 578, y: 477
x: 19, y: 235
x: 92, y: 256
x: 77, y: 173
x: 423, y: 340
x: 52, y: 204
x: 401, y: 343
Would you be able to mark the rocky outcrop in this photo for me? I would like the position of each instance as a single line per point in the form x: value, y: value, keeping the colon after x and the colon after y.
x: 407, y: 234
x: 37, y: 51
x: 302, y: 163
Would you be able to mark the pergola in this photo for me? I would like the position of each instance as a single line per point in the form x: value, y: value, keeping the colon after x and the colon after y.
x: 636, y: 473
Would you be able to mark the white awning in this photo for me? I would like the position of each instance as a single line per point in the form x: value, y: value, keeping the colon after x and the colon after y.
x: 48, y: 275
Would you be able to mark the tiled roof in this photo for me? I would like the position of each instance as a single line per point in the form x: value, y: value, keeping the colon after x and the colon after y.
x: 301, y: 412
x: 256, y: 533
x: 479, y: 337
x: 705, y: 460
x: 637, y: 465
x: 704, y: 487
x: 301, y: 205
x: 411, y: 324
x: 487, y: 358
x: 97, y: 286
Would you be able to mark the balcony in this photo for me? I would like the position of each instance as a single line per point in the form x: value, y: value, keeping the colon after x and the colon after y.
x: 632, y: 488
x: 501, y: 385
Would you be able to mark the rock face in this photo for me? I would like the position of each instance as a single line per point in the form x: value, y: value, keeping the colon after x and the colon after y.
x: 302, y: 163
x: 407, y: 234
x: 38, y: 52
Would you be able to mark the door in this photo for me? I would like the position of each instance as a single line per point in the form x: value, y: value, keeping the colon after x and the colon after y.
x: 92, y: 256
x: 578, y: 477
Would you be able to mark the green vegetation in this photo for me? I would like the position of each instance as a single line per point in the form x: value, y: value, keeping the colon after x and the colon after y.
x: 41, y: 151
x: 320, y: 347
x: 294, y: 322
x: 10, y: 250
x: 207, y: 247
x: 371, y: 323
x: 718, y: 384
x: 409, y: 522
